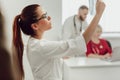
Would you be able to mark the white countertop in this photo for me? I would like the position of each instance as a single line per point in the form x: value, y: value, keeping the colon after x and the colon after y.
x: 88, y: 62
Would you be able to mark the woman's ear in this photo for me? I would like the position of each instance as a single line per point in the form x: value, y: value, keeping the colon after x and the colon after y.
x: 34, y: 26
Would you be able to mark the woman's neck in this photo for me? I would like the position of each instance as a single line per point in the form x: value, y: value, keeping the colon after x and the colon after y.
x: 38, y: 35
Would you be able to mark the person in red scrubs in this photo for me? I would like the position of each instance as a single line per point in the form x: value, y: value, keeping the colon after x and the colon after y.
x: 97, y: 47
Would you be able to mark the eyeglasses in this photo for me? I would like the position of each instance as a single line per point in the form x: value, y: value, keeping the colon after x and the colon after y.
x: 43, y: 16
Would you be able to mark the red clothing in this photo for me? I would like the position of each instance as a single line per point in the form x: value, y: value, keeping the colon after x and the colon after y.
x: 101, y: 48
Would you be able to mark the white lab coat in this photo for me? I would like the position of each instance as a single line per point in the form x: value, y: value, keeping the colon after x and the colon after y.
x: 68, y: 29
x: 44, y: 56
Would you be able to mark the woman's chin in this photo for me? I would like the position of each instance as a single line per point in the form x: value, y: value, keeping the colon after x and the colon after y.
x: 49, y: 28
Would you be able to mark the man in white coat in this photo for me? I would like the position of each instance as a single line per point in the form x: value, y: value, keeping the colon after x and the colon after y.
x: 75, y: 24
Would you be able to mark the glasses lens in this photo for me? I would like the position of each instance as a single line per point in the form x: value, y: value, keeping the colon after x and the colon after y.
x: 43, y: 16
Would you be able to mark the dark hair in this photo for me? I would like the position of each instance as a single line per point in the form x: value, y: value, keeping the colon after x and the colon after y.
x: 23, y: 22
x: 27, y: 17
x: 83, y: 7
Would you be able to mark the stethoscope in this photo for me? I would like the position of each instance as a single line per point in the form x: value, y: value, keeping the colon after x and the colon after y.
x: 75, y: 26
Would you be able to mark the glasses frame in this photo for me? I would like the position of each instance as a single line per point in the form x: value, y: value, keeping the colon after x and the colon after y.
x: 43, y: 16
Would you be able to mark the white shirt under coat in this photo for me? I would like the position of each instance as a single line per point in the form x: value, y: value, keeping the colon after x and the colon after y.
x: 44, y: 56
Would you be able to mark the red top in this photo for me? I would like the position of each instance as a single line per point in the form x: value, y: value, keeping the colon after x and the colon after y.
x: 101, y: 48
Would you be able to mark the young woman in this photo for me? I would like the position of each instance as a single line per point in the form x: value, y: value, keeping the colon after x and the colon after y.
x: 43, y: 55
x: 97, y: 47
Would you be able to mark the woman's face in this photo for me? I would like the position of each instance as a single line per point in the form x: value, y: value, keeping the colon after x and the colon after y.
x: 44, y: 21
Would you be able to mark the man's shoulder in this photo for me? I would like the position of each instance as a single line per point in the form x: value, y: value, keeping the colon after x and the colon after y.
x: 68, y: 21
x: 70, y: 18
